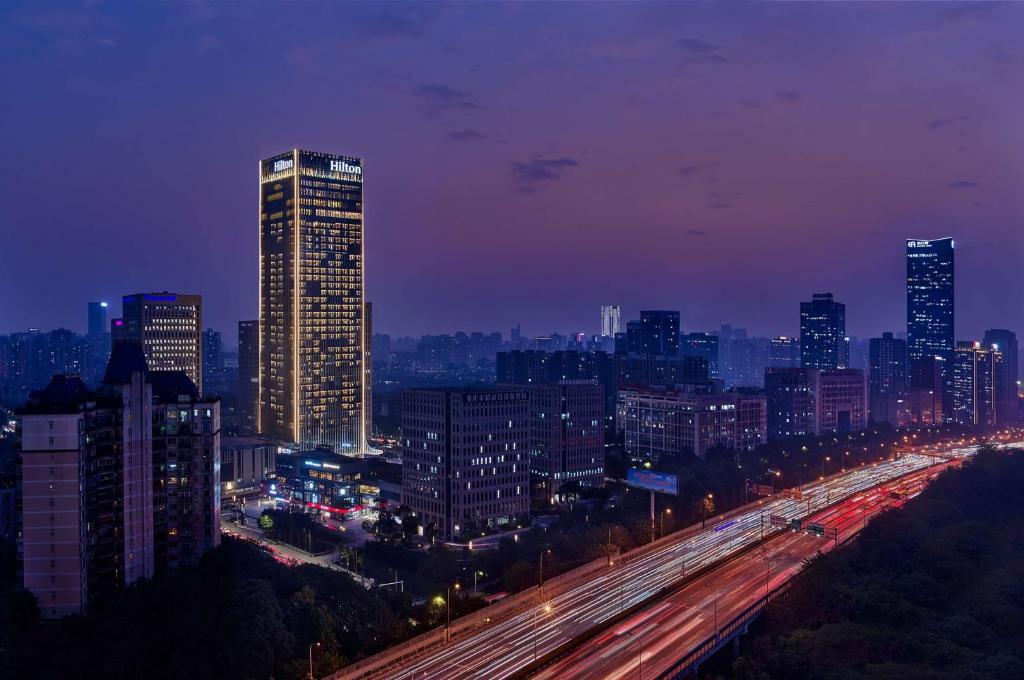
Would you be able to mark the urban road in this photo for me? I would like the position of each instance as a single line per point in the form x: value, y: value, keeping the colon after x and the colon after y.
x: 513, y: 645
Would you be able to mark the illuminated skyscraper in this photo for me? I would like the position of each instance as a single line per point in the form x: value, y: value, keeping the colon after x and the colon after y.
x: 977, y: 383
x: 930, y: 311
x: 169, y: 328
x: 611, y: 318
x: 312, y: 325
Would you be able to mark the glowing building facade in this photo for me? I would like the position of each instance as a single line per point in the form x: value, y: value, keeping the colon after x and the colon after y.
x: 312, y: 315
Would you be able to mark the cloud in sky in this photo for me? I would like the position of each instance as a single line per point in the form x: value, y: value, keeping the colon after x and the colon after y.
x: 529, y: 173
x: 696, y: 232
x: 939, y: 123
x: 962, y: 184
x: 467, y: 135
x: 437, y: 97
x: 688, y: 170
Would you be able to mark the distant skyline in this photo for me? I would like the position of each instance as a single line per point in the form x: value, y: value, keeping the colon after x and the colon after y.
x: 724, y: 160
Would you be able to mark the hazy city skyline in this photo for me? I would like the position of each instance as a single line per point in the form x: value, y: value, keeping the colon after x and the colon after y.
x: 654, y: 157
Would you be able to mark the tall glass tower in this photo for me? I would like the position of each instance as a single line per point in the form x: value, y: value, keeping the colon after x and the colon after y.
x: 823, y: 333
x: 930, y: 313
x: 312, y: 317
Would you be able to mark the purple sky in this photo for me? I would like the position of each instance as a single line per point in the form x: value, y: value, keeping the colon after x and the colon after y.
x: 524, y: 162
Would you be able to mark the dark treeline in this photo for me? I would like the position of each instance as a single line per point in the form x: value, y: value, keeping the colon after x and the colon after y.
x: 239, y: 614
x: 935, y: 590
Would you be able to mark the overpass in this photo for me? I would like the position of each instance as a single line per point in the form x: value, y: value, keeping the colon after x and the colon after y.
x: 530, y: 633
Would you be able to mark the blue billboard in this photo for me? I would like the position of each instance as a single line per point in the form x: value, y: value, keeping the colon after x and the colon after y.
x: 661, y: 482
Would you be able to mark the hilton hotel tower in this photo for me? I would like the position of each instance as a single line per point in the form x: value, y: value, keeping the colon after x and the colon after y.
x: 313, y: 320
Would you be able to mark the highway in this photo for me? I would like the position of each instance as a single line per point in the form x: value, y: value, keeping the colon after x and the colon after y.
x: 691, y: 615
x: 512, y: 644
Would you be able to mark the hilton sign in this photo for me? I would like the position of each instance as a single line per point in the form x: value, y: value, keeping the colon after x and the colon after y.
x: 342, y: 166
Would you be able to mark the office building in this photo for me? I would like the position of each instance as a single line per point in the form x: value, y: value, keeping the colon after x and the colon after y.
x: 784, y: 352
x: 704, y: 346
x: 312, y: 325
x: 930, y: 312
x: 806, y: 401
x: 611, y: 316
x: 465, y: 458
x: 97, y: 318
x: 823, y: 333
x: 790, y: 397
x: 887, y: 377
x: 977, y: 383
x: 1005, y: 342
x: 245, y: 464
x: 663, y: 421
x: 659, y: 332
x: 248, y: 376
x: 169, y: 328
x: 566, y: 444
x: 841, y: 402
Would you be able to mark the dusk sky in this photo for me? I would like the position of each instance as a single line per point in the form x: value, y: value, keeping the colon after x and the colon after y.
x: 523, y: 162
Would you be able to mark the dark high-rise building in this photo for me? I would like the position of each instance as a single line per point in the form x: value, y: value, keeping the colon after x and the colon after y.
x: 704, y: 346
x: 977, y: 382
x: 887, y: 377
x: 659, y: 332
x: 248, y: 376
x: 822, y: 333
x: 784, y: 352
x: 169, y: 328
x: 1006, y: 401
x: 789, y: 393
x: 930, y: 307
x: 566, y: 436
x: 98, y: 318
x: 118, y: 483
x: 312, y: 325
x: 634, y: 338
x: 213, y: 358
x: 464, y: 458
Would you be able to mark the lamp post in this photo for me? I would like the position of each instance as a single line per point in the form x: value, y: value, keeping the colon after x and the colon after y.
x: 448, y: 606
x: 704, y: 508
x: 541, y: 585
x: 666, y: 510
x: 315, y: 644
x: 475, y: 574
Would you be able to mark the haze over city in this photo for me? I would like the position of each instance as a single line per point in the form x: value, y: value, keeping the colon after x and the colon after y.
x: 524, y: 162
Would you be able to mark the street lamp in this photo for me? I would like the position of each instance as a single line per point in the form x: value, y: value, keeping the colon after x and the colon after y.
x: 666, y: 510
x: 704, y: 502
x: 541, y: 585
x: 315, y: 644
x: 475, y: 574
x: 448, y: 606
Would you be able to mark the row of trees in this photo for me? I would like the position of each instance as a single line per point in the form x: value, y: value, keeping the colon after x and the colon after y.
x: 239, y: 614
x: 935, y: 590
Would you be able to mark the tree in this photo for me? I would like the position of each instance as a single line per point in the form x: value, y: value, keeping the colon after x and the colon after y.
x: 266, y: 521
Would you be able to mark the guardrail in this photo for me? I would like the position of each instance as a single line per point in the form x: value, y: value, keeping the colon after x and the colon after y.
x: 702, y: 652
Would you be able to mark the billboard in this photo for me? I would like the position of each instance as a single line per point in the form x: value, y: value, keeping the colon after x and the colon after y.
x: 662, y: 482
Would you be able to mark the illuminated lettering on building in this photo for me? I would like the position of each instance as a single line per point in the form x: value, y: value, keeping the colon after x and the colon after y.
x: 343, y: 166
x: 284, y: 164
